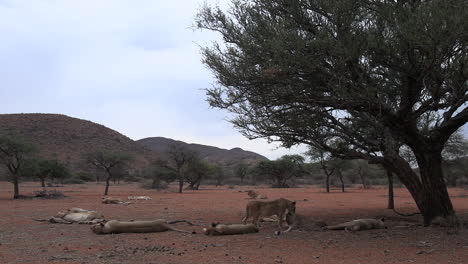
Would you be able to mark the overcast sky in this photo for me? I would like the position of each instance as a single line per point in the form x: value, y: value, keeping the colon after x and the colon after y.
x: 133, y: 66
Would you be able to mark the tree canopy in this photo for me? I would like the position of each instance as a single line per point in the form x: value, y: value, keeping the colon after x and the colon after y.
x: 14, y: 153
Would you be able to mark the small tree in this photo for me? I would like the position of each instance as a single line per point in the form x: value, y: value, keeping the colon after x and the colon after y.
x: 195, y: 171
x: 160, y: 171
x: 338, y: 166
x: 363, y: 172
x: 323, y: 157
x: 178, y: 158
x: 108, y: 161
x: 282, y: 170
x: 13, y: 155
x: 241, y: 170
x: 218, y: 174
x: 44, y: 168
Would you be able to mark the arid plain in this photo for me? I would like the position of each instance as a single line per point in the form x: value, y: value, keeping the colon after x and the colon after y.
x: 23, y: 240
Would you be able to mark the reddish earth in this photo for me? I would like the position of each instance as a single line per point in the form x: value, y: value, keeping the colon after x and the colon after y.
x: 25, y: 241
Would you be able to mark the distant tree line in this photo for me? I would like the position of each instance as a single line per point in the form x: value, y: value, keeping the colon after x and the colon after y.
x: 20, y: 160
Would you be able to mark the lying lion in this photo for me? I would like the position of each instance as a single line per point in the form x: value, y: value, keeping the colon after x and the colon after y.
x: 75, y: 215
x: 139, y: 198
x: 110, y: 200
x: 114, y: 227
x: 258, y: 209
x: 254, y: 195
x: 359, y: 224
x: 301, y: 222
x: 217, y: 229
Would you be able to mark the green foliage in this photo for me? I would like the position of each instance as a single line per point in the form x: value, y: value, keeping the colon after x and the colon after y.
x: 13, y: 154
x: 85, y: 176
x: 195, y: 171
x: 112, y: 163
x: 178, y: 158
x: 73, y: 180
x: 283, y: 170
x: 241, y: 170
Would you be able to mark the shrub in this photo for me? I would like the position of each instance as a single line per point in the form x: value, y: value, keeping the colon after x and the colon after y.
x: 49, y: 194
x: 74, y: 181
x: 132, y: 178
x: 150, y: 185
x: 85, y: 176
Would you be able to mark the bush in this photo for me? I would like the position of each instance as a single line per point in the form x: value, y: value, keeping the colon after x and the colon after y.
x: 85, y: 176
x: 132, y: 178
x: 150, y: 185
x: 49, y: 194
x: 73, y: 181
x: 462, y: 182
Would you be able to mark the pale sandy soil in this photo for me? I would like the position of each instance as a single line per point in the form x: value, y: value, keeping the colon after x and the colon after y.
x: 25, y: 241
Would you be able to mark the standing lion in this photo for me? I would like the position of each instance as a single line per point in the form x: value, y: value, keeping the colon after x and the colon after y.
x: 279, y: 207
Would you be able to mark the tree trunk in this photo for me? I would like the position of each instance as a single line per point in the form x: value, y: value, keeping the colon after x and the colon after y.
x: 327, y: 173
x: 429, y: 191
x: 16, y: 187
x: 391, y: 200
x: 156, y: 183
x: 42, y: 182
x: 363, y: 179
x: 181, y: 182
x: 436, y: 200
x: 109, y: 176
x: 340, y: 176
x: 197, y: 186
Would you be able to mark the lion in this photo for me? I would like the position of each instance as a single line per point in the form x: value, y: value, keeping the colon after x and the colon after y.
x: 139, y: 198
x: 359, y: 224
x: 75, y: 215
x: 301, y: 222
x: 258, y: 209
x: 254, y: 195
x: 217, y: 229
x: 115, y: 226
x: 110, y: 200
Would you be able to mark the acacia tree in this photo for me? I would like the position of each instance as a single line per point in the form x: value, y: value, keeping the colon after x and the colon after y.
x: 45, y: 168
x: 282, y: 170
x: 179, y: 157
x: 317, y: 154
x: 347, y: 76
x: 363, y: 171
x: 13, y: 155
x: 195, y: 171
x: 241, y: 171
x: 108, y: 162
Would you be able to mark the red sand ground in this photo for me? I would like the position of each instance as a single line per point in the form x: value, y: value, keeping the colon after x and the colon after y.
x: 25, y: 241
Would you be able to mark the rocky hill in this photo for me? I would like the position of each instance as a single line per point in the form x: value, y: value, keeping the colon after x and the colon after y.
x: 69, y: 139
x: 223, y: 157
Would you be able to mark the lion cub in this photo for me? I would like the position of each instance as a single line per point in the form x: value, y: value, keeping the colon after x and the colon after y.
x: 359, y: 224
x: 258, y: 209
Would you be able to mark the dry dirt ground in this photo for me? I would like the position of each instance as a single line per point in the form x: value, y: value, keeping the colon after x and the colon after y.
x: 25, y: 241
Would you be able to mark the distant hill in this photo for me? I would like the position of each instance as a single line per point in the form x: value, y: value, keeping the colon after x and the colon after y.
x: 223, y: 157
x: 69, y: 139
